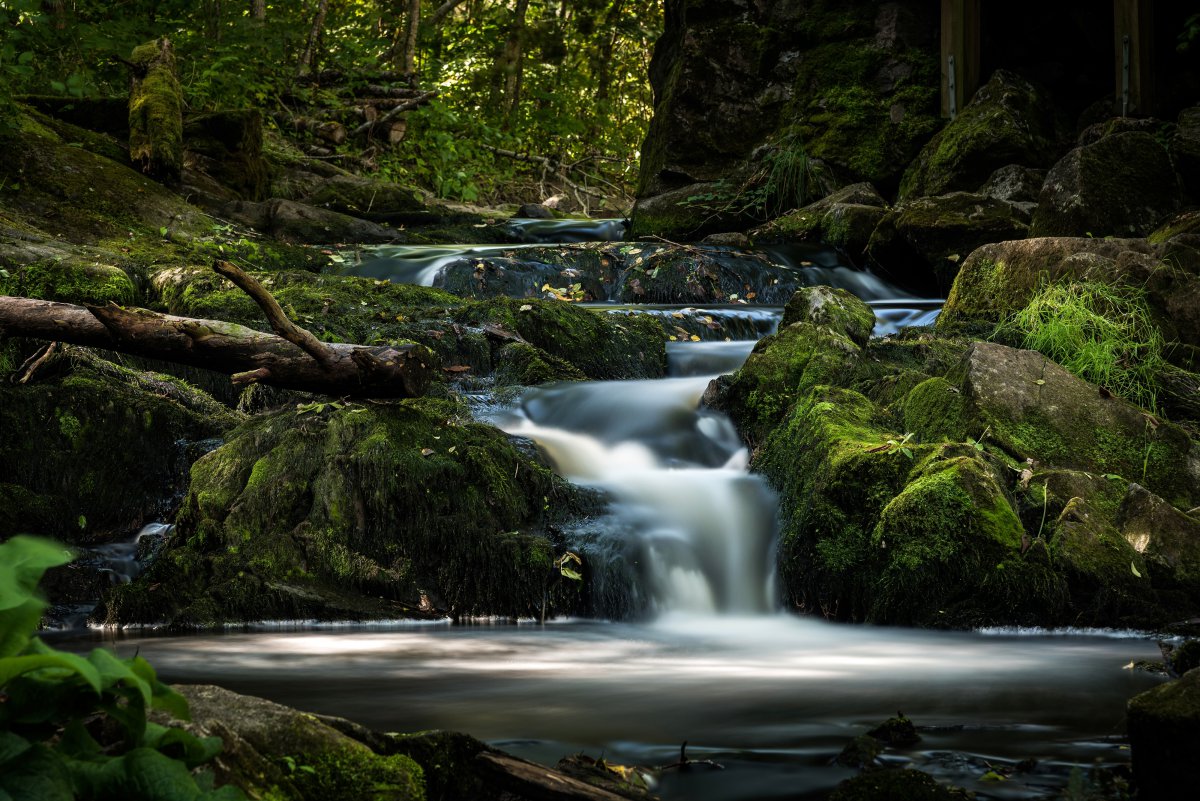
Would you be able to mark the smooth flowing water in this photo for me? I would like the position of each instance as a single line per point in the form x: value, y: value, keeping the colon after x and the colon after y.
x: 687, y: 548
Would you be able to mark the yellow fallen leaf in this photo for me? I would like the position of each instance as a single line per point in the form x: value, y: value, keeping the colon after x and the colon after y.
x: 427, y: 451
x: 694, y: 338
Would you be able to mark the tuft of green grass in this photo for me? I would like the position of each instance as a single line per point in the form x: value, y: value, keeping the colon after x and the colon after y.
x: 1104, y: 334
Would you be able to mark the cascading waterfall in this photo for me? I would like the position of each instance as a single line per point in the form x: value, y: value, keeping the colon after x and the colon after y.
x: 699, y: 527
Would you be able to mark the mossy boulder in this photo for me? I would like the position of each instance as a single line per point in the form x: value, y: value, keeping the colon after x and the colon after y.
x: 844, y: 219
x: 273, y: 751
x: 300, y: 223
x: 921, y: 242
x: 91, y: 450
x: 1164, y: 734
x: 336, y: 511
x: 1122, y: 185
x: 897, y: 784
x: 819, y: 340
x: 998, y: 280
x: 853, y: 86
x: 1008, y: 121
x: 59, y: 186
x: 71, y: 281
x: 378, y: 201
x: 1015, y: 184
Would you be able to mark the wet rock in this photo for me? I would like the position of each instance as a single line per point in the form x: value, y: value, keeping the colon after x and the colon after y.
x: 1008, y: 121
x: 1164, y: 734
x: 845, y: 219
x: 90, y: 450
x: 1015, y: 184
x: 897, y: 784
x: 1122, y: 185
x: 1109, y: 579
x: 299, y: 223
x: 999, y: 279
x: 733, y: 239
x: 898, y: 732
x: 1184, y: 658
x: 1166, y: 538
x: 1184, y: 148
x: 534, y: 211
x: 338, y: 511
x: 861, y: 752
x: 921, y: 243
x: 854, y: 85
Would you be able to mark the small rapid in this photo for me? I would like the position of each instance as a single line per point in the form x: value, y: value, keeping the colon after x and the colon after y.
x: 697, y: 528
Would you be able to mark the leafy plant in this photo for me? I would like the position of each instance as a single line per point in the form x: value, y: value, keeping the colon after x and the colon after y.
x: 895, y: 446
x: 74, y: 727
x: 1104, y: 334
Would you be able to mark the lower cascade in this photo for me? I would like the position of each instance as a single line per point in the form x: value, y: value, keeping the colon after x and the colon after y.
x: 697, y: 528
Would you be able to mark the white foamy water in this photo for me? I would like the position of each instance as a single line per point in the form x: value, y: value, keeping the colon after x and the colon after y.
x: 701, y: 526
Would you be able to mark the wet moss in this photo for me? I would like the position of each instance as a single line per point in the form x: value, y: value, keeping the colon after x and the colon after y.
x: 936, y: 410
x: 355, y: 773
x: 96, y: 284
x: 598, y: 344
x: 52, y: 430
x: 382, y: 510
x: 156, y: 112
x: 522, y: 364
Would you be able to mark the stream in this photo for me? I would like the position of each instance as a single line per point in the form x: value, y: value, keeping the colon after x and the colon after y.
x: 687, y: 548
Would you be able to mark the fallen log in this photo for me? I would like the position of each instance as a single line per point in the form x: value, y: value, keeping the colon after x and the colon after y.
x: 408, y: 105
x: 156, y: 112
x: 292, y: 358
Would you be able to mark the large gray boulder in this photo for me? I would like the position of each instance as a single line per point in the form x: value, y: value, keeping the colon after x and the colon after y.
x: 1122, y: 185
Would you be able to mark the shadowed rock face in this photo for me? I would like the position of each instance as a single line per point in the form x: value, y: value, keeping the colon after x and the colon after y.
x: 853, y: 84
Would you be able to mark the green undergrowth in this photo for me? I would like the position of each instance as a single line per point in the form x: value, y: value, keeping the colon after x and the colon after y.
x: 75, y: 728
x: 1101, y: 333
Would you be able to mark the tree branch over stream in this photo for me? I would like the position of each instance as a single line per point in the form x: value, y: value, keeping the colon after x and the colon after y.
x: 292, y: 358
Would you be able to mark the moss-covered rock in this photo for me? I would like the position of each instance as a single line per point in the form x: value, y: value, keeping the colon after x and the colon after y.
x: 1164, y: 733
x: 845, y: 219
x: 1122, y: 185
x: 71, y: 281
x: 998, y: 280
x: 273, y: 751
x: 300, y: 223
x: 353, y: 512
x: 921, y: 243
x: 156, y: 112
x: 852, y: 86
x: 1008, y: 121
x: 897, y: 784
x: 377, y: 201
x: 91, y: 450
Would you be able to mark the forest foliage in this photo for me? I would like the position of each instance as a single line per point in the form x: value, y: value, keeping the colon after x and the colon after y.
x: 558, y: 79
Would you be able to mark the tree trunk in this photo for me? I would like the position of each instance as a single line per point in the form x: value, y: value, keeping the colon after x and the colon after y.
x: 413, y: 23
x: 511, y: 61
x: 443, y: 11
x: 258, y: 10
x: 156, y: 112
x: 604, y: 59
x: 292, y: 358
x: 314, y: 36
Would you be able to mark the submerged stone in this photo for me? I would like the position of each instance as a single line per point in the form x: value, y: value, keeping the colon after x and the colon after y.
x: 897, y: 784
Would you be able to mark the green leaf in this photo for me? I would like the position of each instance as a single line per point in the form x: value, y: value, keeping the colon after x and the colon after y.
x: 113, y: 671
x: 1133, y: 567
x: 13, y: 666
x: 23, y: 560
x: 571, y: 574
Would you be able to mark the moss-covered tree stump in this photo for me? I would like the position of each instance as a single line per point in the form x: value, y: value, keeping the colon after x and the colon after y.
x: 156, y: 112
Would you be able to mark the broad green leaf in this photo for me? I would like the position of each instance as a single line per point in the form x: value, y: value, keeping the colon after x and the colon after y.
x: 113, y: 670
x: 23, y: 560
x: 41, y: 774
x: 571, y: 574
x: 13, y: 666
x: 1133, y: 567
x: 12, y: 746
